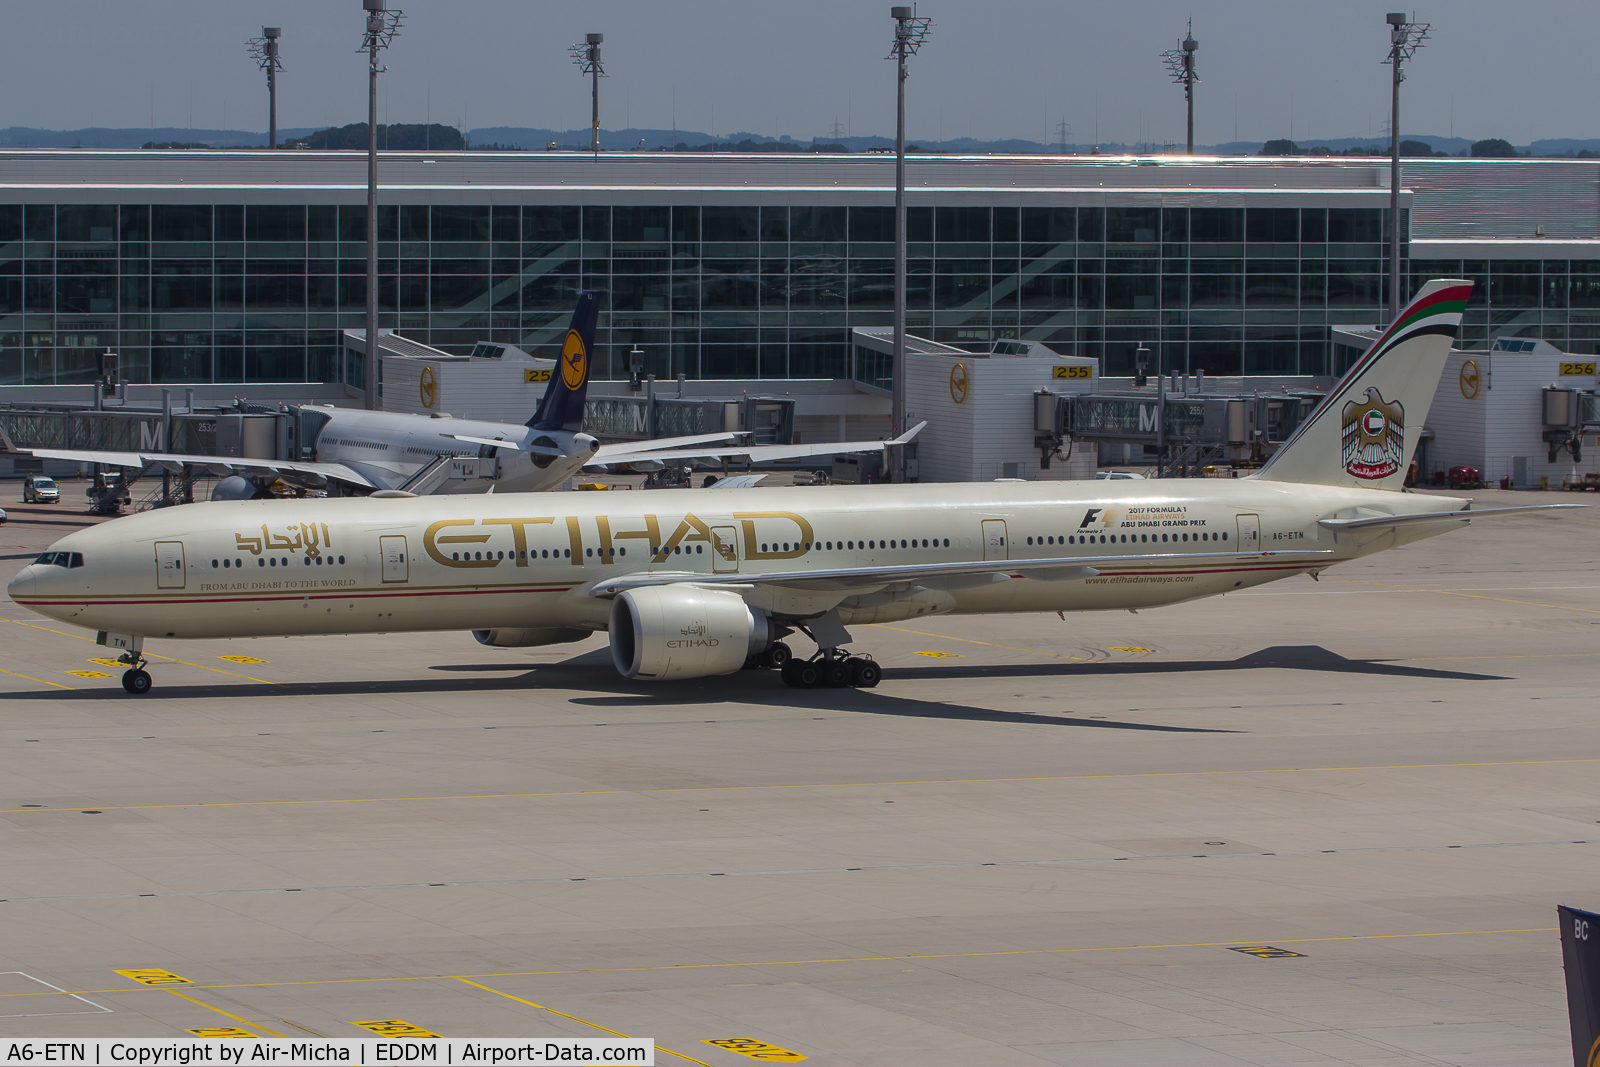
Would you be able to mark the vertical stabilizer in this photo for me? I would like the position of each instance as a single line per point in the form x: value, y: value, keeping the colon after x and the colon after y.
x: 562, y: 406
x: 1365, y: 433
x: 1580, y: 956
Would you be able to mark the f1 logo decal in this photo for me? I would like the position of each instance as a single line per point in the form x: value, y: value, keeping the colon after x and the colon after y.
x: 1089, y: 516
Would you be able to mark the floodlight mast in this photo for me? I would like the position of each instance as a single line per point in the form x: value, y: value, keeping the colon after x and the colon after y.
x: 587, y: 56
x: 382, y: 28
x: 1404, y: 39
x: 1181, y: 65
x: 909, y: 33
x: 264, y: 50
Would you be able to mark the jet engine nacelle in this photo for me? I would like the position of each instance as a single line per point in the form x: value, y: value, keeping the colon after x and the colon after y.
x: 522, y: 638
x: 664, y: 632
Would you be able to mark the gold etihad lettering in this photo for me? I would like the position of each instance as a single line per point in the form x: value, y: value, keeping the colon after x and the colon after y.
x: 751, y: 546
x: 519, y: 536
x: 299, y: 536
x: 432, y: 539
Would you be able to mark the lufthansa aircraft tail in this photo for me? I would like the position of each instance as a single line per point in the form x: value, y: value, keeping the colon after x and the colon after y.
x: 1364, y: 433
x: 562, y: 406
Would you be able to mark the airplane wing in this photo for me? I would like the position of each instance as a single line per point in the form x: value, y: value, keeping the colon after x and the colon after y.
x: 515, y: 446
x: 216, y: 464
x: 632, y: 447
x: 943, y: 574
x: 1372, y: 522
x: 761, y: 453
x: 738, y: 481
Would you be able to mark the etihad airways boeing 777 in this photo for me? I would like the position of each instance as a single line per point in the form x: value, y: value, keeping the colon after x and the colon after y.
x: 697, y: 583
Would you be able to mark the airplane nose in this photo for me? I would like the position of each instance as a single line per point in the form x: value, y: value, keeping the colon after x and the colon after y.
x: 22, y: 584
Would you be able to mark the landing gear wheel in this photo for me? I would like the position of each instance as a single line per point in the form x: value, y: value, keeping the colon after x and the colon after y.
x: 802, y: 674
x: 136, y: 681
x: 864, y: 673
x: 835, y: 673
x: 776, y: 657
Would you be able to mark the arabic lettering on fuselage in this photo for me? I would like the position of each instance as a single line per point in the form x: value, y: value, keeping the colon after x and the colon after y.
x: 299, y: 536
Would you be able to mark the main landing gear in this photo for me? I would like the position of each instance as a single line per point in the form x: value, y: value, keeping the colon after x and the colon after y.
x: 832, y: 669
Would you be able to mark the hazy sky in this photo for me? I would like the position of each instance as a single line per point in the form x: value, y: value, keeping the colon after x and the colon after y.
x: 999, y: 68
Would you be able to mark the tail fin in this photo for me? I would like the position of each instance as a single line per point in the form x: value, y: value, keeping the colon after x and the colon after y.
x: 562, y: 406
x: 1358, y: 436
x: 1580, y: 956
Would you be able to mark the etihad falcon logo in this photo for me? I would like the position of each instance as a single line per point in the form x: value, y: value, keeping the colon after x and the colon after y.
x: 1374, y: 436
x: 574, y: 361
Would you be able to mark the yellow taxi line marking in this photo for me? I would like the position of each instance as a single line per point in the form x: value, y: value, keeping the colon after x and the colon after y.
x: 797, y: 963
x: 219, y: 1011
x: 87, y: 674
x: 149, y: 655
x: 31, y: 678
x: 821, y: 785
x: 574, y: 1018
x: 970, y: 641
x: 1470, y: 596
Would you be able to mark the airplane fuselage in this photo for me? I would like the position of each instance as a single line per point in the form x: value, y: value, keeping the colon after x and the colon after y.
x: 272, y: 567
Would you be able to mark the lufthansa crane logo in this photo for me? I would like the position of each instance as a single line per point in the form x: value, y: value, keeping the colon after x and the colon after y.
x: 429, y: 387
x: 574, y: 361
x: 958, y: 383
x: 1469, y: 379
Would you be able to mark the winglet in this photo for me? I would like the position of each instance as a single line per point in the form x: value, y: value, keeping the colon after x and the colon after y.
x: 562, y: 406
x: 908, y: 435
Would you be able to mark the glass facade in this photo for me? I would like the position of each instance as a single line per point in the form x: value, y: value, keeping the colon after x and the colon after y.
x: 260, y: 293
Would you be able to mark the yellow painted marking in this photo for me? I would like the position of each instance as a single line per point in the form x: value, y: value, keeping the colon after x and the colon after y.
x: 1470, y: 596
x: 797, y: 963
x: 1266, y: 952
x: 395, y: 1028
x: 822, y: 785
x: 87, y: 674
x: 757, y: 1050
x: 149, y: 655
x: 154, y: 976
x: 1130, y: 648
x: 31, y: 678
x: 242, y: 659
x: 229, y: 1014
x: 970, y: 641
x: 220, y: 1031
x: 108, y: 662
x: 939, y: 655
x: 574, y: 1018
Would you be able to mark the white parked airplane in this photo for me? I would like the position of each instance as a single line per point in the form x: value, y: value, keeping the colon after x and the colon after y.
x: 363, y: 451
x: 698, y: 583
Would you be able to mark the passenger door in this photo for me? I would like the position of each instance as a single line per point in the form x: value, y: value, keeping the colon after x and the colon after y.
x: 994, y: 539
x: 393, y: 551
x: 724, y: 550
x: 1249, y: 534
x: 169, y: 565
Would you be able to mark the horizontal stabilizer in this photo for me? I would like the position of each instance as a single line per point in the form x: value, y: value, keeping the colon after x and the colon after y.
x: 1370, y: 522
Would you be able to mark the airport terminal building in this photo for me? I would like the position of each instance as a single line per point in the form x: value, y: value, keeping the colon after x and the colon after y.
x: 218, y: 267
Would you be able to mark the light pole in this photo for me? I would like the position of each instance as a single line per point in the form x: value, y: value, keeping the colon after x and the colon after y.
x: 1180, y: 64
x: 909, y: 33
x: 1404, y: 40
x: 382, y: 28
x: 587, y: 56
x: 264, y: 50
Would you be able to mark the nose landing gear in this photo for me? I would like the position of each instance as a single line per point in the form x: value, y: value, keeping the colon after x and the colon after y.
x: 135, y: 679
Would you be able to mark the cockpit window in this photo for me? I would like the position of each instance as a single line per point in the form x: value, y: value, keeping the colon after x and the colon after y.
x: 61, y: 559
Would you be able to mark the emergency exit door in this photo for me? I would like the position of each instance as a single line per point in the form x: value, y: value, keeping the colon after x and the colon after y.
x: 1249, y: 533
x: 994, y: 539
x: 395, y: 566
x: 724, y: 550
x: 169, y: 565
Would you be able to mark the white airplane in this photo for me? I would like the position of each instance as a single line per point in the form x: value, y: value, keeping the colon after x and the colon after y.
x: 699, y: 583
x: 366, y: 451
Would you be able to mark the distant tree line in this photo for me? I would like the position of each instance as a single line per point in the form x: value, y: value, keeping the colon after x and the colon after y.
x: 1489, y: 148
x: 395, y: 137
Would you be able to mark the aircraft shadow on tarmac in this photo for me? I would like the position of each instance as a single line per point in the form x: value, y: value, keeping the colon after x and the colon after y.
x: 591, y: 671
